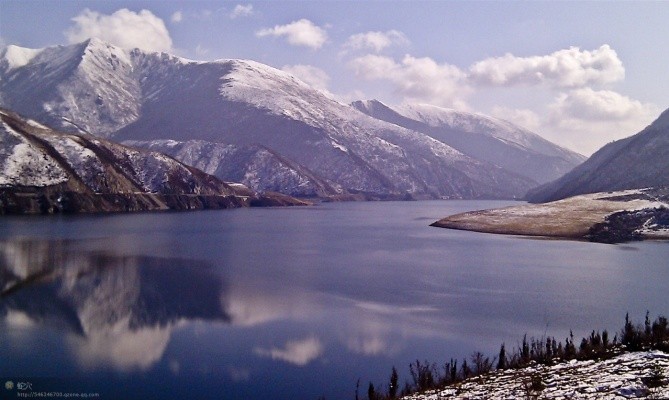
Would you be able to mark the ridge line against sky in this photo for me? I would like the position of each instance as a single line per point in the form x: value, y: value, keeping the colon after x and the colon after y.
x: 581, y: 74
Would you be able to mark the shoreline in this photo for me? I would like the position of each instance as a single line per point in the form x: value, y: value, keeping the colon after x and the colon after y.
x: 614, y: 217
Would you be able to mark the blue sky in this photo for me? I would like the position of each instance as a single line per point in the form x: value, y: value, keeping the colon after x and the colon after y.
x: 579, y: 73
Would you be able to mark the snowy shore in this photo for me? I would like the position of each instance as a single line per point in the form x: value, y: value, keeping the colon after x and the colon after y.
x: 643, y: 374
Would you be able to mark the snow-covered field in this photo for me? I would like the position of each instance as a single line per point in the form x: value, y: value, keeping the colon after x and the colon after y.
x: 627, y: 376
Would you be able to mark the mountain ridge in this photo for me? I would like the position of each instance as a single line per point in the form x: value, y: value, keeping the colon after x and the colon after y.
x: 482, y: 137
x: 141, y: 96
x: 45, y: 171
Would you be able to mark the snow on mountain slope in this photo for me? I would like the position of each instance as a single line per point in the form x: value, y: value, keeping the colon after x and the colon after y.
x: 87, y: 87
x: 257, y: 167
x: 136, y: 95
x: 21, y: 162
x: 476, y: 123
x: 257, y: 104
x: 92, y: 174
x: 485, y: 138
x: 14, y: 57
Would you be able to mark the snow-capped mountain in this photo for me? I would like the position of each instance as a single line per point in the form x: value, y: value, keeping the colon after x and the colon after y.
x: 636, y: 162
x: 135, y: 95
x: 87, y: 87
x: 43, y: 171
x: 485, y: 138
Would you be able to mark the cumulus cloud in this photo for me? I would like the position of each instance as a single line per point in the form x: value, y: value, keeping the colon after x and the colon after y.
x: 566, y: 68
x: 416, y: 79
x: 311, y: 75
x: 586, y: 119
x: 376, y: 41
x: 298, y: 33
x: 241, y: 11
x: 177, y: 17
x: 298, y: 352
x: 123, y: 28
x: 598, y: 105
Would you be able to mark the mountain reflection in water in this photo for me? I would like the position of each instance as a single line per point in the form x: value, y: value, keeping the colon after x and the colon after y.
x: 117, y: 310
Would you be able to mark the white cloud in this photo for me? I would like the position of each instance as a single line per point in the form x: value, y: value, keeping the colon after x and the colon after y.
x: 587, y: 119
x: 528, y: 119
x: 242, y: 11
x: 298, y: 352
x: 376, y: 41
x: 416, y: 79
x: 298, y: 33
x: 311, y: 75
x: 567, y: 68
x: 123, y: 28
x: 598, y: 105
x: 177, y: 17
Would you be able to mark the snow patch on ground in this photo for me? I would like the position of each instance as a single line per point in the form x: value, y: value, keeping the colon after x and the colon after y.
x: 621, y: 377
x: 21, y: 163
x: 82, y: 160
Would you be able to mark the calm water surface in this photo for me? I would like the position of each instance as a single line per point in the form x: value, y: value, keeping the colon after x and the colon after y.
x: 292, y: 303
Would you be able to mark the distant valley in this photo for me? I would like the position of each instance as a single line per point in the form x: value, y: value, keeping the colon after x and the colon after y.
x: 619, y: 194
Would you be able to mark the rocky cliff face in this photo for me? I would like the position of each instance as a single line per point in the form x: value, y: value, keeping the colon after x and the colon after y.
x: 639, y: 161
x: 45, y: 171
x: 317, y: 144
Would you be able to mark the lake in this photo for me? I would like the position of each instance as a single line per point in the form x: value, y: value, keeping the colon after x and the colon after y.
x: 292, y: 303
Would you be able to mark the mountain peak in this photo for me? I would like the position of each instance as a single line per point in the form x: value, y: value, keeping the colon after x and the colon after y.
x: 12, y: 57
x: 132, y: 94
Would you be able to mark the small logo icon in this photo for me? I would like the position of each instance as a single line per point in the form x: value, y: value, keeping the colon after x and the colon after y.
x: 24, y: 386
x: 9, y: 385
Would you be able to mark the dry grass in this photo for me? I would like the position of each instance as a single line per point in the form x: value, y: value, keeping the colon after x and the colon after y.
x: 568, y: 218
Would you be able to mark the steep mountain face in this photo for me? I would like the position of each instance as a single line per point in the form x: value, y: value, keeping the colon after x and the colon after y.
x: 639, y: 161
x: 87, y: 87
x: 44, y: 171
x: 257, y: 167
x: 485, y: 138
x: 327, y: 146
